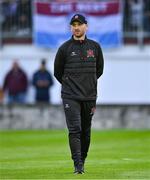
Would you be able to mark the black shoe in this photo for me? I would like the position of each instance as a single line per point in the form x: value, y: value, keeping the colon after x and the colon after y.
x: 79, y: 169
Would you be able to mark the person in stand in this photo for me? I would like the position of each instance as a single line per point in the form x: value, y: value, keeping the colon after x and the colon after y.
x: 42, y: 81
x: 78, y: 64
x: 1, y: 95
x: 136, y: 9
x: 147, y: 16
x: 16, y: 84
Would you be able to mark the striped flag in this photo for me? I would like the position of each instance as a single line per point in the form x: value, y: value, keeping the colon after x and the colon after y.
x: 51, y: 22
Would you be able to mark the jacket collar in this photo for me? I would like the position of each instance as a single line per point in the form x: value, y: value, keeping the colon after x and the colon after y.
x: 79, y: 41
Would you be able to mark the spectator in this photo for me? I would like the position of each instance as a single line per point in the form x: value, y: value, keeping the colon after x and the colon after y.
x: 1, y: 95
x: 16, y: 16
x: 15, y: 83
x: 126, y: 15
x: 136, y: 9
x: 24, y: 14
x: 42, y: 80
x: 147, y: 15
x: 9, y: 10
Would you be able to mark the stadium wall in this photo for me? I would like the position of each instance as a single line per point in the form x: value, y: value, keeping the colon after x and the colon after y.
x: 52, y: 117
x: 123, y: 90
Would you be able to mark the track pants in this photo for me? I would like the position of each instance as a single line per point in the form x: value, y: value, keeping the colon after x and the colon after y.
x: 78, y: 118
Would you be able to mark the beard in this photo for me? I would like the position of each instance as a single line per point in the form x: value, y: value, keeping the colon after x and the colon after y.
x: 78, y: 34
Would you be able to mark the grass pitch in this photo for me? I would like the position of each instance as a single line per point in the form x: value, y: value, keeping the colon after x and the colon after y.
x: 113, y: 154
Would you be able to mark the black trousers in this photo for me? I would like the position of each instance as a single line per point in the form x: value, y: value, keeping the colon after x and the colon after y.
x: 78, y: 118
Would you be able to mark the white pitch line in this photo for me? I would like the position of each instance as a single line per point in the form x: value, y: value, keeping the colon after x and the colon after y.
x: 127, y: 159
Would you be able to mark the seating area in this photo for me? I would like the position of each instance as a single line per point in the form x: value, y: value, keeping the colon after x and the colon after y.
x: 16, y: 19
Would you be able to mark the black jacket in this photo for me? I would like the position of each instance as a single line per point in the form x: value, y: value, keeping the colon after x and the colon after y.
x: 78, y: 65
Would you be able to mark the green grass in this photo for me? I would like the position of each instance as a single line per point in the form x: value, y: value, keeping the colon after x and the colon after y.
x: 114, y: 154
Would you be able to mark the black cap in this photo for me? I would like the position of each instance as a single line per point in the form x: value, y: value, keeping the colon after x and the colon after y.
x: 78, y: 17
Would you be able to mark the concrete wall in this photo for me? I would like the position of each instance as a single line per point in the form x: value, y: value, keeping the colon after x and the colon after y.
x: 49, y: 117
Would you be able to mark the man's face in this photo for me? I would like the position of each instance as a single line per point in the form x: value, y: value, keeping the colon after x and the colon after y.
x: 78, y: 29
x: 15, y: 66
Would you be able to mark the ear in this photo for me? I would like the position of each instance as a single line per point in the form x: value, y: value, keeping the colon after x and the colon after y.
x: 86, y: 27
x: 71, y: 28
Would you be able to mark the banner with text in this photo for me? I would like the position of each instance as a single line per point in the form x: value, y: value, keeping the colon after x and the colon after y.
x: 51, y: 22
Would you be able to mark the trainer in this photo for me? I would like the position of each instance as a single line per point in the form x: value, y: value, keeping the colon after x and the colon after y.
x: 78, y: 64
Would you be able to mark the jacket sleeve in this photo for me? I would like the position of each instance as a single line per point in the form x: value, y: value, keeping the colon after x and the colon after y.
x: 99, y: 62
x: 34, y: 80
x: 25, y: 80
x: 5, y: 84
x: 59, y: 64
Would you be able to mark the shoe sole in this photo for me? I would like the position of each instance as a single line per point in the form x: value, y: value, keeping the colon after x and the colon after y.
x: 78, y: 172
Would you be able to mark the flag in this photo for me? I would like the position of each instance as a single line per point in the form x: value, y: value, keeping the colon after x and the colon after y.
x: 51, y: 22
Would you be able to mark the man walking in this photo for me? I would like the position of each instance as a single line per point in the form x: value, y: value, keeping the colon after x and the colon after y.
x: 78, y: 65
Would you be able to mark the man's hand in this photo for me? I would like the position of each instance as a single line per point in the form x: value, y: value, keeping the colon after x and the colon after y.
x: 42, y: 83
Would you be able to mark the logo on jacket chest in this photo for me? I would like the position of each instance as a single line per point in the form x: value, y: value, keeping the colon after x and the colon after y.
x: 86, y: 55
x: 73, y: 53
x: 90, y: 53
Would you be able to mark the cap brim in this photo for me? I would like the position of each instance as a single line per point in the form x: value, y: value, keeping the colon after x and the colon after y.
x: 77, y: 20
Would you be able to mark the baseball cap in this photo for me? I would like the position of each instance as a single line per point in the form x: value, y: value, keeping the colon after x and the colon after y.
x: 78, y: 17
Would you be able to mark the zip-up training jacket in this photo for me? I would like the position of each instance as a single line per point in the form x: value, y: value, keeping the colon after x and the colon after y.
x: 78, y: 65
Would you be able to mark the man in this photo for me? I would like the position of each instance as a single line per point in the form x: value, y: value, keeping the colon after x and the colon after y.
x: 16, y: 84
x: 1, y: 95
x: 78, y: 65
x: 42, y: 80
